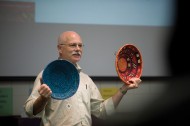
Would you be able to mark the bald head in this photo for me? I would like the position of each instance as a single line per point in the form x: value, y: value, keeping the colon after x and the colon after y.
x: 70, y: 46
x: 68, y: 36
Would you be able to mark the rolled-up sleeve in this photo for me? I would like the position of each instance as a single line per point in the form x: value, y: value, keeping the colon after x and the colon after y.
x: 28, y: 105
x: 109, y: 106
x: 100, y: 107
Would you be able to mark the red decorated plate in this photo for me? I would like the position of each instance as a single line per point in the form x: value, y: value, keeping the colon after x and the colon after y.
x: 128, y: 62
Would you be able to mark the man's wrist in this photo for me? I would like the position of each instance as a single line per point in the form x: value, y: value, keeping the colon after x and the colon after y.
x: 122, y: 91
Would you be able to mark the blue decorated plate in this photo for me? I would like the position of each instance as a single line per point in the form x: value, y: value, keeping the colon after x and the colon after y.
x: 62, y: 77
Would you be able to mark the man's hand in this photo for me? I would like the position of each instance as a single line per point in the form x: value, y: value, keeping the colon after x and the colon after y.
x: 44, y: 90
x: 130, y: 84
x: 133, y: 83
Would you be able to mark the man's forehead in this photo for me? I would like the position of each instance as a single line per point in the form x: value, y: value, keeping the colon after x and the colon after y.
x: 72, y: 38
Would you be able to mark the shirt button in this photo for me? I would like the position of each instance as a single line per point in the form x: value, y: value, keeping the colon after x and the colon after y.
x: 68, y: 106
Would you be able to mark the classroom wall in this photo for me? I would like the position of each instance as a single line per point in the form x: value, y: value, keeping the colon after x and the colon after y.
x: 156, y: 101
x: 132, y: 104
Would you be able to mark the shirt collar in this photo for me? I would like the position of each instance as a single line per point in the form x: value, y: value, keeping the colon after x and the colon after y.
x: 78, y: 68
x: 76, y: 65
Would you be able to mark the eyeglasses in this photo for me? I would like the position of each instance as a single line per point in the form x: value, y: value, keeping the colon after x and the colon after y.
x: 73, y: 45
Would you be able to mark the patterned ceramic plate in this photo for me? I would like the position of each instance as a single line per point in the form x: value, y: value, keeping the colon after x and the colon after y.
x: 128, y: 62
x: 62, y: 77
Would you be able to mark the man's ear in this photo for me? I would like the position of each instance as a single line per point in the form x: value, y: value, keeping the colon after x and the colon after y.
x: 59, y: 48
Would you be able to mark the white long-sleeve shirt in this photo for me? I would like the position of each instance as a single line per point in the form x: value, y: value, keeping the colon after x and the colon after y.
x: 75, y: 110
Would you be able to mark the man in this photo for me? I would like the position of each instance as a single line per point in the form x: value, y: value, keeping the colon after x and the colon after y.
x: 75, y: 110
